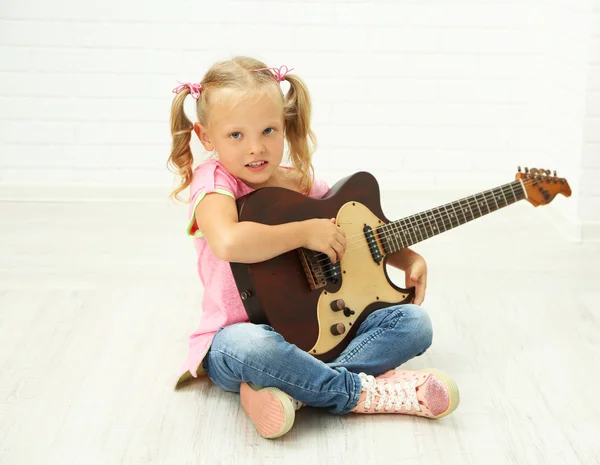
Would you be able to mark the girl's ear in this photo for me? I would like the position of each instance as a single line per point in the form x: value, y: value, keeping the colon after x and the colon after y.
x: 204, y: 137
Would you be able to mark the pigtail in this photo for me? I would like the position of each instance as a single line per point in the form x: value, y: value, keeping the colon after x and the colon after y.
x: 181, y: 159
x: 301, y: 140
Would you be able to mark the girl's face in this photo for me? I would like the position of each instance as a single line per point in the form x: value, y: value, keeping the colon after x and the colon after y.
x: 247, y: 136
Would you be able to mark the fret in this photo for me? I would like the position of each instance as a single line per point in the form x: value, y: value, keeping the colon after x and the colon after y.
x: 513, y: 191
x: 383, y: 237
x: 436, y: 224
x: 482, y: 204
x: 415, y: 228
x: 420, y: 226
x: 407, y: 231
x: 429, y: 231
x: 399, y: 236
x: 460, y: 217
x: 394, y: 234
x: 466, y: 200
x: 411, y: 234
x: 502, y: 192
x: 437, y: 215
x: 478, y: 208
x: 520, y: 190
x: 452, y: 215
x: 424, y: 225
x: 494, y: 197
x: 418, y: 230
x: 464, y: 211
x: 489, y: 194
x: 513, y: 186
x: 472, y: 201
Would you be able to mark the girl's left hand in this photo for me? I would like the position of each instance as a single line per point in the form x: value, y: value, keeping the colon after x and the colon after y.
x: 416, y: 275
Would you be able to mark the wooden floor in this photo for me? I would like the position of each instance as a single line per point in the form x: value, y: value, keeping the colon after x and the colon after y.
x: 97, y: 301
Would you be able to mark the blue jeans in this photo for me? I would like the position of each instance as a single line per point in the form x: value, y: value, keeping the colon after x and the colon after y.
x: 246, y: 352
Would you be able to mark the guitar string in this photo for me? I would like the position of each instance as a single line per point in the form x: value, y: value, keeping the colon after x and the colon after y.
x: 471, y: 201
x: 438, y: 215
x: 412, y: 220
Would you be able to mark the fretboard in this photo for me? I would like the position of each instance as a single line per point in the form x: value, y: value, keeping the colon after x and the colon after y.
x: 403, y: 233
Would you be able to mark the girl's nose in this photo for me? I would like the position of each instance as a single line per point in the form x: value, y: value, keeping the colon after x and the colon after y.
x: 256, y: 147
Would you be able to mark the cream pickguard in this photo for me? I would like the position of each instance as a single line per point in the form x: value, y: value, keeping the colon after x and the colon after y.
x: 363, y: 280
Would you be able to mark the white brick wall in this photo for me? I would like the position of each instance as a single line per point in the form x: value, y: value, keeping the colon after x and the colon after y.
x: 589, y: 206
x: 567, y: 61
x: 442, y: 94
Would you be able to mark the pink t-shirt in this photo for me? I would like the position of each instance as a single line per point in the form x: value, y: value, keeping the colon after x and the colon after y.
x: 221, y: 303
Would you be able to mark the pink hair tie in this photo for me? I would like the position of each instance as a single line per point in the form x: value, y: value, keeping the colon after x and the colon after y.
x: 193, y: 86
x: 278, y: 73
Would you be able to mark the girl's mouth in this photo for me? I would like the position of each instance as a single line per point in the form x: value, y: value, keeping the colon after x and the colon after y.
x: 257, y: 165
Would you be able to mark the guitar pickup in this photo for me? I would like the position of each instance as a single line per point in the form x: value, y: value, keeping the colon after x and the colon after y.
x: 372, y: 242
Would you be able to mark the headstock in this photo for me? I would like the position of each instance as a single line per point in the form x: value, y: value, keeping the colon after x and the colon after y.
x: 541, y: 186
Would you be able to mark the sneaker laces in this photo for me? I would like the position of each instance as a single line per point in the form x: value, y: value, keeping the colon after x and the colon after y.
x: 391, y: 394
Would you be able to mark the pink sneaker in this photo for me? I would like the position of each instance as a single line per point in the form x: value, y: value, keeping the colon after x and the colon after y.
x: 426, y: 393
x: 271, y: 410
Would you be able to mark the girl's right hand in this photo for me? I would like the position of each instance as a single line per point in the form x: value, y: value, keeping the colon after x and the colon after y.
x: 323, y: 235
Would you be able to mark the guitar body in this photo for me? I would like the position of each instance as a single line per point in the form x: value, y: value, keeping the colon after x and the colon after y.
x: 279, y: 292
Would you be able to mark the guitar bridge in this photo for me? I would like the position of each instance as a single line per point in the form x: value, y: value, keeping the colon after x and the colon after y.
x: 318, y: 268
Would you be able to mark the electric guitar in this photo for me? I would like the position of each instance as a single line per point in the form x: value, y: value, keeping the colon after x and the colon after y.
x: 317, y: 305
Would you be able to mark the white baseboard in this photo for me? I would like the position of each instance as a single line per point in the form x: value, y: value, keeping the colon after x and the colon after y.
x: 85, y: 193
x: 410, y: 200
x: 569, y: 229
x: 591, y: 232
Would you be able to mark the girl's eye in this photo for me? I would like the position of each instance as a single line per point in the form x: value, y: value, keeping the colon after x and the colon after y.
x: 268, y: 131
x: 235, y: 135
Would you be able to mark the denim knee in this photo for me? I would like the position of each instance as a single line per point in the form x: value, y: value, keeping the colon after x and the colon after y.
x: 233, y: 349
x: 419, y: 332
x: 245, y: 340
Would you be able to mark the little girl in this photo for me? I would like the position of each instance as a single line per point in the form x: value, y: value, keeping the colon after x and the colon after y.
x: 244, y: 119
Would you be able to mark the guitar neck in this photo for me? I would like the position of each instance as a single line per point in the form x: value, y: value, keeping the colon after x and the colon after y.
x: 403, y: 233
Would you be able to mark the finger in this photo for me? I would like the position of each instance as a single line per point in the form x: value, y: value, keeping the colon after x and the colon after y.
x: 342, y: 249
x: 419, y: 297
x: 419, y: 294
x: 339, y: 249
x: 342, y: 240
x: 332, y: 254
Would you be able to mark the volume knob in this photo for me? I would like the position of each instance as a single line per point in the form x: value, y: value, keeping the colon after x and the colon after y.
x: 338, y: 329
x: 337, y: 305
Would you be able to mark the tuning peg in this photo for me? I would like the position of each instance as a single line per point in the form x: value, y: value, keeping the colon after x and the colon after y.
x: 519, y: 169
x: 526, y: 170
x: 554, y: 173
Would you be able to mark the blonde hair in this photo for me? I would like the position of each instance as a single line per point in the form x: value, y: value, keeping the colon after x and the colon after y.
x: 245, y: 75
